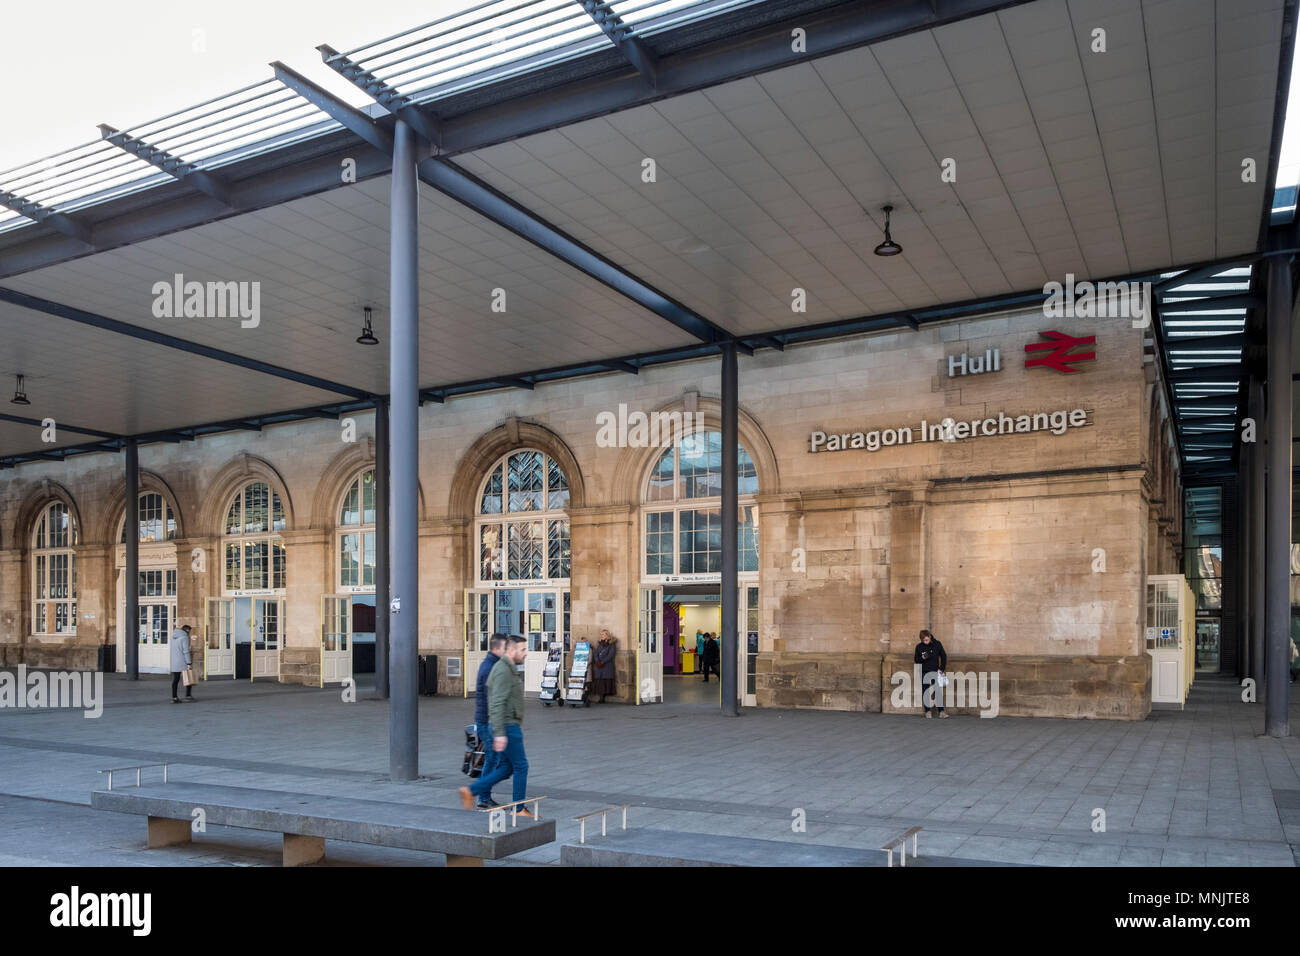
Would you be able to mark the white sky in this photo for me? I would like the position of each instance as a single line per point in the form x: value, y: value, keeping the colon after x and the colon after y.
x: 77, y: 63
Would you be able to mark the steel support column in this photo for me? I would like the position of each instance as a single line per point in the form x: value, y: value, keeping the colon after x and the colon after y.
x: 383, y: 522
x: 730, y: 538
x: 1242, y: 569
x: 1259, y: 610
x: 131, y: 586
x: 1277, y: 568
x: 404, y: 411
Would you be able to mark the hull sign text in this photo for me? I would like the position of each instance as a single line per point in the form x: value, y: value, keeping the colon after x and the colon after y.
x: 1057, y: 422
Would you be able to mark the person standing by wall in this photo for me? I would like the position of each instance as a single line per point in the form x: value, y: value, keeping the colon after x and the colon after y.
x: 934, y: 661
x: 604, y: 676
x: 711, y: 657
x: 179, y: 649
x: 496, y: 647
x: 505, y: 692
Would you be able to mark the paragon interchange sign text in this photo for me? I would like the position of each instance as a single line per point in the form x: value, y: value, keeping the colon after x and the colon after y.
x: 1057, y: 423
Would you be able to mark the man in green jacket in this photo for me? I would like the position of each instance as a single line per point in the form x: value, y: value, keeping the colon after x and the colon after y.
x: 505, y: 692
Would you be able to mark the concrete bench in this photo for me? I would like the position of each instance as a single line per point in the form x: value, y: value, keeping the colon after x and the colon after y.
x: 307, y: 820
x: 668, y: 848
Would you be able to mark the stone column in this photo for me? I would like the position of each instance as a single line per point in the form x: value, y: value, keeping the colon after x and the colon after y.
x: 909, y: 579
x: 14, y: 589
x: 197, y: 574
x: 304, y: 553
x: 603, y: 583
x: 447, y: 572
x: 96, y: 578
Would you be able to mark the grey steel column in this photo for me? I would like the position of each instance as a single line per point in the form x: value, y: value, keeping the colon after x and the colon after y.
x: 1241, y: 569
x: 131, y: 587
x: 382, y: 524
x: 730, y: 544
x: 1277, y: 568
x: 1258, y: 607
x: 404, y: 412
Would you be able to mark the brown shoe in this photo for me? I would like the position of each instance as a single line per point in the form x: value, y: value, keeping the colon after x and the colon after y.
x: 525, y: 814
x: 466, y: 798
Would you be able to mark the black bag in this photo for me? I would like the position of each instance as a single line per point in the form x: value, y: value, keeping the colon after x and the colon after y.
x: 474, y: 754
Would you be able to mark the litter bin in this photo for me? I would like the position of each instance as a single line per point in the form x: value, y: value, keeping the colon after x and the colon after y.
x: 428, y: 675
x: 107, y: 658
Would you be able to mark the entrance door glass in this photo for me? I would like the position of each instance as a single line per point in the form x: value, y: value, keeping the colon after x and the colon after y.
x: 267, y: 625
x: 650, y: 652
x: 748, y: 643
x: 336, y: 644
x: 1207, y: 645
x: 219, y: 656
x: 478, y: 628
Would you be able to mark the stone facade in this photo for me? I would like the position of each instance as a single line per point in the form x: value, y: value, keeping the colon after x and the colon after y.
x: 1026, y: 553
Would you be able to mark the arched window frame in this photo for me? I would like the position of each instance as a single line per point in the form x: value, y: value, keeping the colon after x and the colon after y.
x: 54, y: 570
x: 253, y: 557
x: 155, y: 511
x: 669, y: 513
x: 495, y: 530
x: 356, y: 537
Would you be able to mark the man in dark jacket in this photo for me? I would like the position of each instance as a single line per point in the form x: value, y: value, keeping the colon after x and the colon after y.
x: 934, y: 661
x: 496, y: 646
x: 711, y: 657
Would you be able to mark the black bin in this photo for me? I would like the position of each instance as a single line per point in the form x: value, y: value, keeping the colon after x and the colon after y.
x: 428, y: 674
x: 243, y: 661
x: 107, y: 658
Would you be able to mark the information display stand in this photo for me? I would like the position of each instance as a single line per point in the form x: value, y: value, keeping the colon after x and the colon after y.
x: 577, y: 689
x: 551, y: 672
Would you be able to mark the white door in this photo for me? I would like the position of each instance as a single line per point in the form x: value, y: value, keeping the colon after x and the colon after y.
x: 747, y: 644
x: 219, y: 639
x: 542, y: 620
x: 478, y: 628
x: 336, y: 639
x: 649, y: 647
x: 152, y: 632
x: 155, y: 635
x: 268, y: 632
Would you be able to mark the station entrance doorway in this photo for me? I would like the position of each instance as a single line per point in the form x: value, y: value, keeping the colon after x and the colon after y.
x: 540, y: 614
x: 672, y: 623
x: 243, y: 637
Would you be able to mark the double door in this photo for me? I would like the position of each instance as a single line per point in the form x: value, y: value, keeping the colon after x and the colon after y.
x: 238, y: 626
x: 650, y: 652
x: 539, y: 614
x: 336, y: 639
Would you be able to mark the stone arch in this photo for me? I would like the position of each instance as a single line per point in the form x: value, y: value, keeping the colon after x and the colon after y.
x: 338, y: 474
x: 44, y: 492
x: 506, y: 437
x: 149, y: 481
x: 634, y: 464
x: 236, y: 474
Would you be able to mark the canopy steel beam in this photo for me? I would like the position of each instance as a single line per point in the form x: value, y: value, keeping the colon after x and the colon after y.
x: 37, y: 213
x: 38, y: 423
x: 390, y: 98
x: 1207, y: 373
x: 633, y: 49
x: 173, y: 166
x: 1241, y: 300
x: 37, y: 304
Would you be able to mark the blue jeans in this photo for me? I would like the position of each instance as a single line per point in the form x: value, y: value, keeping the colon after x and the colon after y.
x: 928, y: 680
x: 490, y: 757
x: 510, y: 762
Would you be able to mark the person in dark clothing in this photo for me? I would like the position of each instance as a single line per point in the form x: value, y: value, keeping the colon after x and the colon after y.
x: 603, y: 672
x: 496, y: 647
x: 934, y: 661
x: 711, y: 657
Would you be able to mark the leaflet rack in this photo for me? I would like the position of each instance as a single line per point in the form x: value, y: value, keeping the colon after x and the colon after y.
x: 577, y: 689
x: 554, y: 667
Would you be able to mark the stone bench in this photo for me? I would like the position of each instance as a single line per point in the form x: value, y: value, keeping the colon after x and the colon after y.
x: 307, y: 820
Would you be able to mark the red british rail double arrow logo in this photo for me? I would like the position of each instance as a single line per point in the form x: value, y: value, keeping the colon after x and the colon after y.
x: 1060, y: 357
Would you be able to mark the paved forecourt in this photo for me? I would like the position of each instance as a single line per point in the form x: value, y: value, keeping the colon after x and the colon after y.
x: 1197, y: 787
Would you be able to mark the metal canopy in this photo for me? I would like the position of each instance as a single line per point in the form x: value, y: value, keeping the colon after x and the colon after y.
x: 771, y: 167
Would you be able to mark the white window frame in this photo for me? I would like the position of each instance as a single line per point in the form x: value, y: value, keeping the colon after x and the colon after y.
x: 360, y: 529
x: 168, y: 518
x: 242, y: 538
x: 676, y: 505
x: 44, y: 608
x: 506, y: 517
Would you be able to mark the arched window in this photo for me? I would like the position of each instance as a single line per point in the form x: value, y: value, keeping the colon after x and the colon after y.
x: 683, y: 509
x: 254, y: 551
x: 157, y: 522
x: 523, y: 528
x: 357, y: 534
x: 54, y: 571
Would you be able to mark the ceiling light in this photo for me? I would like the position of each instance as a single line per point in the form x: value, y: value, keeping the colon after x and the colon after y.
x: 889, y: 247
x: 20, y: 397
x: 367, y: 336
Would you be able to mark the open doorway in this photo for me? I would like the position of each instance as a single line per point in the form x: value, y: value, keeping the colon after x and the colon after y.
x: 692, y: 613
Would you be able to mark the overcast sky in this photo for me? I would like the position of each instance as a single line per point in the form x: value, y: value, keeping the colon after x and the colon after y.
x: 77, y: 63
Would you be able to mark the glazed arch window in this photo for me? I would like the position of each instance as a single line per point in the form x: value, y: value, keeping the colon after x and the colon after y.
x: 157, y: 521
x: 254, y: 551
x: 682, y: 527
x: 356, y: 539
x: 522, y: 531
x: 54, y: 571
